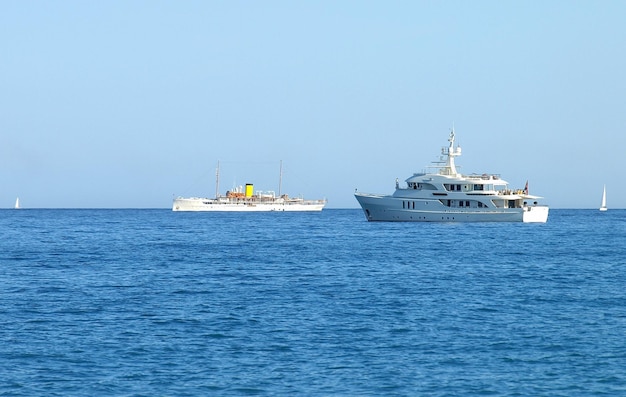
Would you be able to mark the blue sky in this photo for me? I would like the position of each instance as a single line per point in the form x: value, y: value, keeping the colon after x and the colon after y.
x: 125, y: 104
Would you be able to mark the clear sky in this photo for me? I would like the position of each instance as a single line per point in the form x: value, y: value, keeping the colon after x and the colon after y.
x: 125, y: 104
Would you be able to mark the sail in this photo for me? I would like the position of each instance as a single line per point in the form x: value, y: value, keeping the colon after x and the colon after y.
x: 603, y: 204
x: 17, y: 203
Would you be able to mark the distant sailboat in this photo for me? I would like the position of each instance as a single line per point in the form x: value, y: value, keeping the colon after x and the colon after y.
x: 603, y: 205
x: 17, y: 203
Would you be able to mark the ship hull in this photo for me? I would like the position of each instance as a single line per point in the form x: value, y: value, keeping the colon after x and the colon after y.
x: 384, y: 208
x: 212, y: 205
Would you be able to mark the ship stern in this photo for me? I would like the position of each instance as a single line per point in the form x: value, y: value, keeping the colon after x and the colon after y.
x: 535, y: 214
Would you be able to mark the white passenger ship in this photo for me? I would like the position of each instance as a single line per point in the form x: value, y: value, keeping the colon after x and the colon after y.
x: 240, y: 200
x: 448, y: 196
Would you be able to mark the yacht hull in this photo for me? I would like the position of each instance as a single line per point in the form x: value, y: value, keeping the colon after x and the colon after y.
x: 385, y: 208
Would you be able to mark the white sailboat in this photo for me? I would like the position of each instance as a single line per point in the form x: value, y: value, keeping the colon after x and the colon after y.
x: 17, y: 203
x: 603, y: 205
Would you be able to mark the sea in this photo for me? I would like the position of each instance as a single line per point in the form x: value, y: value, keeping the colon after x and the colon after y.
x: 150, y: 302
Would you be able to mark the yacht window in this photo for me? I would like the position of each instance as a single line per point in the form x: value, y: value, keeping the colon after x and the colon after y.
x: 460, y: 203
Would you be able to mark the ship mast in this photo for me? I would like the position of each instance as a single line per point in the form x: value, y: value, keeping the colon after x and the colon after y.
x: 450, y: 152
x: 280, y: 178
x: 217, y: 180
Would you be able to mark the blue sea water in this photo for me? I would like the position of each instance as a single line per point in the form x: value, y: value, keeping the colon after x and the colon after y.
x: 153, y: 302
